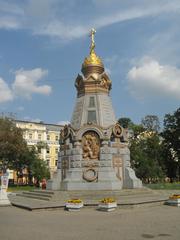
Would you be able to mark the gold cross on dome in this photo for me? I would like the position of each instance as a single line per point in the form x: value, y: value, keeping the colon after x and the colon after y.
x: 92, y: 33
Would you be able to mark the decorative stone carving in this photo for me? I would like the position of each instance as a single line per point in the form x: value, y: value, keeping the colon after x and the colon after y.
x: 76, y: 164
x: 90, y: 145
x: 105, y: 81
x: 90, y: 163
x: 64, y: 167
x: 65, y: 132
x: 79, y: 82
x: 117, y: 165
x: 64, y: 149
x: 117, y: 130
x: 90, y: 174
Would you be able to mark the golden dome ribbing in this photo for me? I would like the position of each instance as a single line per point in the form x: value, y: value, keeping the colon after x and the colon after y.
x: 92, y: 59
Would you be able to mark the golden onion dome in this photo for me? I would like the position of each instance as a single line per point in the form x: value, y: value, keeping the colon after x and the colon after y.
x: 92, y: 63
x: 92, y: 59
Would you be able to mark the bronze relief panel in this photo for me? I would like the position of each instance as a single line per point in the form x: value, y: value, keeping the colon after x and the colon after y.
x: 91, y: 145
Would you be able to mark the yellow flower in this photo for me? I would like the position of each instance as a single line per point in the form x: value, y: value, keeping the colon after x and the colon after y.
x: 107, y: 200
x: 175, y: 196
x: 74, y: 201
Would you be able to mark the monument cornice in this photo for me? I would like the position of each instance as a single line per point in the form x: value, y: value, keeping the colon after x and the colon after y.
x: 94, y: 83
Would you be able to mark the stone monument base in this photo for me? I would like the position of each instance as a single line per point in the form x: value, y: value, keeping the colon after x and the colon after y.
x: 94, y: 158
x: 4, y: 201
x: 131, y: 180
x: 70, y: 186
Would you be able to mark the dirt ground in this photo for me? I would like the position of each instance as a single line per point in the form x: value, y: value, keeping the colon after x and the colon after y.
x: 158, y: 222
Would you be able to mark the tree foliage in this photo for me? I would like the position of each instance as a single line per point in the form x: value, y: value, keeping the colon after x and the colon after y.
x: 151, y: 123
x: 13, y: 148
x: 154, y: 154
x: 40, y: 170
x: 146, y: 156
x: 145, y: 147
x: 16, y: 155
x: 171, y: 141
x: 125, y: 122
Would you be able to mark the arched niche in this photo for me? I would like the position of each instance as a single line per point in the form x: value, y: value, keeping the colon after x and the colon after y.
x: 90, y: 145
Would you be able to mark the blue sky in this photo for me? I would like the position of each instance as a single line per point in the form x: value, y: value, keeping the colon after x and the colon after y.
x: 44, y: 42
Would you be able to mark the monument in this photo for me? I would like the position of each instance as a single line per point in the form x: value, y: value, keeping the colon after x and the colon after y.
x: 94, y: 153
x: 4, y: 201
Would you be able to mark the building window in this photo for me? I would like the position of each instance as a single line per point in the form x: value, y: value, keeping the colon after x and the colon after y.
x: 47, y: 150
x: 91, y: 102
x: 48, y: 137
x: 91, y: 116
x: 39, y: 136
x: 47, y: 161
x: 57, y: 137
x: 56, y: 162
x: 30, y: 135
x: 56, y: 150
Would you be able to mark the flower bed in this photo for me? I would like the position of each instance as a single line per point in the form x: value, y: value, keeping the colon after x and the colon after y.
x: 74, y: 204
x: 173, y: 200
x: 107, y: 204
x: 175, y: 196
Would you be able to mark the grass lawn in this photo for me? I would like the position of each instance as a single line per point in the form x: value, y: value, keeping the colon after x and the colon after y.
x: 175, y: 185
x: 20, y: 188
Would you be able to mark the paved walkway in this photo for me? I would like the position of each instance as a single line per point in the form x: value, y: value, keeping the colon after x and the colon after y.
x: 159, y: 223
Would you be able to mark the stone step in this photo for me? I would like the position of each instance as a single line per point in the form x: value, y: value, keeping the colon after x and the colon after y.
x: 43, y: 192
x: 97, y: 194
x: 87, y: 195
x: 32, y: 196
x: 37, y: 194
x: 130, y: 199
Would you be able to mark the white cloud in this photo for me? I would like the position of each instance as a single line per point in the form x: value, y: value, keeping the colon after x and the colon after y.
x: 26, y: 81
x: 63, y: 19
x: 24, y: 85
x: 59, y: 29
x: 11, y: 16
x: 151, y: 79
x: 5, y: 92
x: 164, y: 45
x: 12, y: 8
x: 9, y: 23
x: 63, y: 123
x: 78, y: 27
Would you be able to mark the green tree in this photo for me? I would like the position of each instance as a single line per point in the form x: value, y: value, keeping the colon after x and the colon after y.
x: 146, y: 156
x: 41, y: 145
x: 125, y: 122
x: 38, y: 167
x: 136, y: 129
x: 13, y: 148
x: 145, y: 147
x: 171, y: 141
x: 16, y: 155
x: 151, y: 123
